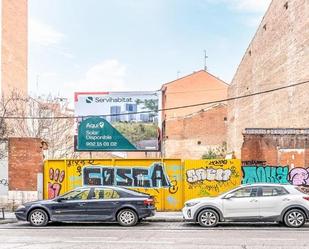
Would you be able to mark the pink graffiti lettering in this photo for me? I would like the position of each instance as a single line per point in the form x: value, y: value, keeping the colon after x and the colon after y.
x: 299, y: 176
x: 53, y: 190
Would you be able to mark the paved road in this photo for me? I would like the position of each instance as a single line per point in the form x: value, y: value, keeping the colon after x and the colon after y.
x: 152, y: 235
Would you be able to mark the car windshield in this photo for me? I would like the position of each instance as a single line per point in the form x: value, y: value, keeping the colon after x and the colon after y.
x: 77, y: 194
x: 225, y: 192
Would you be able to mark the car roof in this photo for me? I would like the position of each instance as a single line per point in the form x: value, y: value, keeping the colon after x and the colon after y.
x: 267, y: 184
x: 99, y: 186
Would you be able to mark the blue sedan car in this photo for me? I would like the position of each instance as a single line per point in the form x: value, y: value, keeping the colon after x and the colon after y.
x: 90, y: 204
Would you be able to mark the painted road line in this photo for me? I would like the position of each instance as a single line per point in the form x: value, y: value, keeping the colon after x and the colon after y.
x: 273, y: 239
x: 95, y: 237
x: 122, y: 241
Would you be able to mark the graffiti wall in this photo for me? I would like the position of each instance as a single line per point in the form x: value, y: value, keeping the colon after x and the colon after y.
x: 204, y: 178
x: 275, y: 174
x: 161, y: 179
x: 170, y: 181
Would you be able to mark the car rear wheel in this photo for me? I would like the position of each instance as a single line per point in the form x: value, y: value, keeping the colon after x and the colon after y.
x: 127, y: 217
x: 294, y: 218
x: 38, y: 218
x: 208, y: 218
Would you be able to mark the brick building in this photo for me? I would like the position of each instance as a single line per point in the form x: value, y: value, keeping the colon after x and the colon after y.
x: 13, y: 46
x: 191, y: 132
x: 277, y: 56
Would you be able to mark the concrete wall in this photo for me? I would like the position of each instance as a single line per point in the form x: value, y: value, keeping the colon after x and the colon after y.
x: 3, y: 172
x: 277, y: 56
x: 193, y: 135
x: 14, y: 46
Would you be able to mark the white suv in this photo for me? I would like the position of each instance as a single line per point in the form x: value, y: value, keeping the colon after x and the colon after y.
x: 286, y: 204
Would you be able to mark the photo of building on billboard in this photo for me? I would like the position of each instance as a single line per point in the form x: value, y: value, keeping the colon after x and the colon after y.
x: 118, y: 121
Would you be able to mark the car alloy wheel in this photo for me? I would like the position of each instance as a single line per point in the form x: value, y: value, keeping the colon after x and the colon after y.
x: 208, y: 218
x: 38, y: 217
x: 127, y: 217
x: 294, y: 218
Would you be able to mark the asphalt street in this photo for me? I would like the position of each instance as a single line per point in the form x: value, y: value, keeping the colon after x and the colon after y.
x: 152, y: 235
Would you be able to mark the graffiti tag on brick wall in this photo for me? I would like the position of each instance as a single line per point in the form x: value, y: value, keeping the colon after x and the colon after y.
x: 209, y: 174
x: 253, y: 163
x: 267, y: 174
x: 150, y: 177
x: 56, y: 177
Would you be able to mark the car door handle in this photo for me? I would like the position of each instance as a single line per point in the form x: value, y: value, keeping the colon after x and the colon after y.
x: 253, y: 200
x: 82, y: 204
x: 286, y: 199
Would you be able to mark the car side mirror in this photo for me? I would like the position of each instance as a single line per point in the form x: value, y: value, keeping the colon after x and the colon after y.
x: 228, y: 196
x: 60, y: 199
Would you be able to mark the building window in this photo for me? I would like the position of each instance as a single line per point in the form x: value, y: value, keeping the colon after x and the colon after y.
x: 131, y: 107
x: 114, y: 111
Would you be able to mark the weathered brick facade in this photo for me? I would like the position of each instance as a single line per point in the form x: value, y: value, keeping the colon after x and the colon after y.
x: 277, y: 56
x: 25, y: 162
x: 14, y: 46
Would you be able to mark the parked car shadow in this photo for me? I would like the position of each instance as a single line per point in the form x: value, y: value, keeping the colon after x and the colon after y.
x: 244, y: 225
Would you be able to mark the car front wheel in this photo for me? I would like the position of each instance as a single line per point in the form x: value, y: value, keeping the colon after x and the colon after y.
x: 127, y: 217
x: 38, y: 218
x: 294, y: 218
x: 208, y: 218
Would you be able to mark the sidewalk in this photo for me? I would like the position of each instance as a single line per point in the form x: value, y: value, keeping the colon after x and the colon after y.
x: 9, y: 217
x: 166, y: 217
x: 159, y: 217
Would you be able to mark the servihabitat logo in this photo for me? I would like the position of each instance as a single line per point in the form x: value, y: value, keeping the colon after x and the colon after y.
x: 89, y: 99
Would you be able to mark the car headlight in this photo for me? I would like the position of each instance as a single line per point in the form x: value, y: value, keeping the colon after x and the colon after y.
x: 21, y: 207
x: 192, y: 203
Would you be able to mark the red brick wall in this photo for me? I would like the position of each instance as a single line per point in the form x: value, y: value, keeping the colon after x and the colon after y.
x: 25, y: 162
x: 194, y: 135
x: 276, y: 150
x: 259, y: 148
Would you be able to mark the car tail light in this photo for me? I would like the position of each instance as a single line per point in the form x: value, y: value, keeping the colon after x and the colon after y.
x: 306, y: 198
x: 148, y: 202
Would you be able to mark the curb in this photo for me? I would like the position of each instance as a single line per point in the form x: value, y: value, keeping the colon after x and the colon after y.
x: 151, y: 219
x: 158, y: 219
x: 7, y: 221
